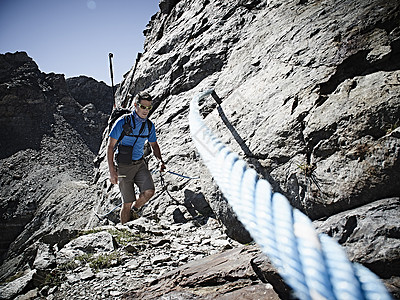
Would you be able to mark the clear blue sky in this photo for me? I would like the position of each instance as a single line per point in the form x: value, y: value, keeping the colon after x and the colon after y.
x: 74, y: 37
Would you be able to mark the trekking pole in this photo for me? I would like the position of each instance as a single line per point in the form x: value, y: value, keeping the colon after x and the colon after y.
x: 110, y: 56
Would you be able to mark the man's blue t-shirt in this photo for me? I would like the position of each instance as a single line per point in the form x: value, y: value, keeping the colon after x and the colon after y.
x: 129, y: 140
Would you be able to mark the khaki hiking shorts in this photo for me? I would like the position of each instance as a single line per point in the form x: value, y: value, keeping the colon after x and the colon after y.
x: 133, y: 173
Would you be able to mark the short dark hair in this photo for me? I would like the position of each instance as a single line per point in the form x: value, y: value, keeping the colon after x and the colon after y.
x: 143, y: 96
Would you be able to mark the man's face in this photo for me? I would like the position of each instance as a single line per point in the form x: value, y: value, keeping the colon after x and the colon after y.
x: 143, y: 108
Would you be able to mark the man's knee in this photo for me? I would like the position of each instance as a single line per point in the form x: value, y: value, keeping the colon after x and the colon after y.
x: 126, y: 205
x: 148, y: 194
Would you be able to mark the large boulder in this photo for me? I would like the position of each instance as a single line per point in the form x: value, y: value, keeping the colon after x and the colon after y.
x: 370, y: 235
x: 221, y: 276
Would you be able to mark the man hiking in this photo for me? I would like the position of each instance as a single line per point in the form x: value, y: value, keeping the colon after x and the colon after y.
x: 126, y: 139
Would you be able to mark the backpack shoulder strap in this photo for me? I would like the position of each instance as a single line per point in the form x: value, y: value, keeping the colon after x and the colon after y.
x: 128, y: 124
x: 127, y: 129
x: 140, y: 135
x: 141, y: 130
x: 149, y: 125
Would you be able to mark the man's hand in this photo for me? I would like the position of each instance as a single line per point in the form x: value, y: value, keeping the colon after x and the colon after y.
x: 157, y: 154
x: 113, y: 176
x: 162, y: 167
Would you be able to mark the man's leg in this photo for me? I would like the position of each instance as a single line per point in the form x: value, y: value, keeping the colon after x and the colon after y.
x: 125, y: 213
x: 144, y: 181
x: 143, y: 198
x: 126, y: 175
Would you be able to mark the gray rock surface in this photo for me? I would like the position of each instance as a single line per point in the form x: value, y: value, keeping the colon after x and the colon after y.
x: 48, y: 143
x: 370, y: 235
x: 310, y: 99
x: 88, y: 91
x: 110, y: 261
x: 228, y: 275
x: 17, y: 286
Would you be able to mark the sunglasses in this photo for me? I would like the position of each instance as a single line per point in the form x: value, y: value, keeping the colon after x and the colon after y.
x: 144, y: 107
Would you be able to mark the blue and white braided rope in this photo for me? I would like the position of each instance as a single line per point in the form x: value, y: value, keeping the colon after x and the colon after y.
x: 312, y: 264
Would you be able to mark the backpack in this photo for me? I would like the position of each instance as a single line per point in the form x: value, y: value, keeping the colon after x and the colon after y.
x: 116, y: 114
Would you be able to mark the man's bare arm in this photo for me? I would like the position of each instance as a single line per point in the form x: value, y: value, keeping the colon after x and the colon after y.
x: 110, y: 159
x: 157, y: 154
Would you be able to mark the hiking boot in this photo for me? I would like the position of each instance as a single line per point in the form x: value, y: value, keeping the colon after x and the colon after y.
x: 135, y: 213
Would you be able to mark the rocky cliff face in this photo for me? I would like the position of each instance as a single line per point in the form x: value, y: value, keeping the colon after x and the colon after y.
x: 87, y: 90
x: 310, y: 99
x: 48, y: 142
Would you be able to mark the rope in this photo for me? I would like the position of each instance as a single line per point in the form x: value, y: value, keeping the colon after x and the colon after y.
x: 106, y: 214
x: 183, y: 176
x: 313, y: 265
x: 177, y: 174
x: 164, y: 188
